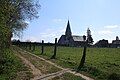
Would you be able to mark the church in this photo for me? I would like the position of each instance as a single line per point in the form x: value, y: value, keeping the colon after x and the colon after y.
x: 73, y: 40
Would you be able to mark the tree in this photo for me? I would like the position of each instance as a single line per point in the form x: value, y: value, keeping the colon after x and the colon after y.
x: 13, y: 15
x: 90, y: 40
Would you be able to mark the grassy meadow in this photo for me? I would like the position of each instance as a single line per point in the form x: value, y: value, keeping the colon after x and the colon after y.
x: 101, y: 63
x: 12, y: 67
x: 67, y: 76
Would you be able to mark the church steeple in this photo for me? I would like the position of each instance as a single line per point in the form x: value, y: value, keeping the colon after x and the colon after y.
x: 89, y: 36
x: 68, y: 32
x: 88, y: 32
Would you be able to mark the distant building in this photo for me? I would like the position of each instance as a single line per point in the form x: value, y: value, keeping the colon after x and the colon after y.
x: 102, y: 43
x: 89, y: 37
x: 116, y: 43
x: 74, y: 40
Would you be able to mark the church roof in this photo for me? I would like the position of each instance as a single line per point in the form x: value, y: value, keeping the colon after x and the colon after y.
x: 78, y: 38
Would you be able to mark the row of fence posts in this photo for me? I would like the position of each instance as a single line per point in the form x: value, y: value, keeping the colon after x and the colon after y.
x: 55, y: 50
x: 32, y: 47
x: 27, y: 46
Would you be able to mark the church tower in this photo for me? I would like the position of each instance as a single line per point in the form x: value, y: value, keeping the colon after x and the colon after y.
x: 117, y: 38
x: 89, y: 36
x: 88, y: 32
x: 68, y: 32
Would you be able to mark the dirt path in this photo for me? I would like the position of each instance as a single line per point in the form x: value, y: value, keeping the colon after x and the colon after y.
x: 50, y: 76
x: 39, y: 76
x: 70, y: 71
x: 34, y: 70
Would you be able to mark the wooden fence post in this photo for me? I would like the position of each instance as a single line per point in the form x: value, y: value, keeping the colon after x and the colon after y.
x: 55, y: 49
x: 25, y: 45
x: 83, y: 57
x: 30, y: 45
x: 34, y: 46
x: 42, y: 47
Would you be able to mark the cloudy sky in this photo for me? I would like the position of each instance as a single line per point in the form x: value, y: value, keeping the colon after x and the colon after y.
x: 101, y: 16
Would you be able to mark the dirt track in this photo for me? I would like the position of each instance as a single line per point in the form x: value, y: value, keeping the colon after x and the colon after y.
x: 37, y: 73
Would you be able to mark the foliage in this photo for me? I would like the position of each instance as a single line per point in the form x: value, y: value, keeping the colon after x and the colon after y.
x: 11, y: 66
x: 13, y: 14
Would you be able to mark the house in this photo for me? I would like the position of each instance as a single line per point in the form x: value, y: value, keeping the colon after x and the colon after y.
x: 116, y: 43
x: 102, y: 43
x: 74, y: 40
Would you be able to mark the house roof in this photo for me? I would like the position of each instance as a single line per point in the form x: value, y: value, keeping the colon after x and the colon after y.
x: 116, y: 42
x: 78, y: 38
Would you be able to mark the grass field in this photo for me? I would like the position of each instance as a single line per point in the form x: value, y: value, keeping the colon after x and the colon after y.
x: 67, y: 76
x: 47, y: 68
x: 101, y: 63
x: 43, y: 66
x: 12, y: 68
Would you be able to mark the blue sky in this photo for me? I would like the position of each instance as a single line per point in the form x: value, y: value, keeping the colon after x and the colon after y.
x: 101, y: 16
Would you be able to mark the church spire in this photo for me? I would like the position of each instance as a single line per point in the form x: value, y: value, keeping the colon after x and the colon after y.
x: 68, y: 30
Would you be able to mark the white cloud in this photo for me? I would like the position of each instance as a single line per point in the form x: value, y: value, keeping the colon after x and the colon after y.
x: 111, y: 26
x: 32, y: 39
x: 28, y: 38
x: 50, y: 34
x: 105, y: 32
x: 110, y: 29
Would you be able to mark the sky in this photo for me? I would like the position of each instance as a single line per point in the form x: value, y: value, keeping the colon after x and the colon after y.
x: 101, y: 16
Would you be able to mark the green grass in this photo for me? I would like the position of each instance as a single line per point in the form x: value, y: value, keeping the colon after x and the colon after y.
x: 67, y: 76
x: 43, y: 66
x: 101, y: 63
x: 12, y: 67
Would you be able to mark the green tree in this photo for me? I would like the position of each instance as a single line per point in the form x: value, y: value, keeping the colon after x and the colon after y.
x: 13, y: 14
